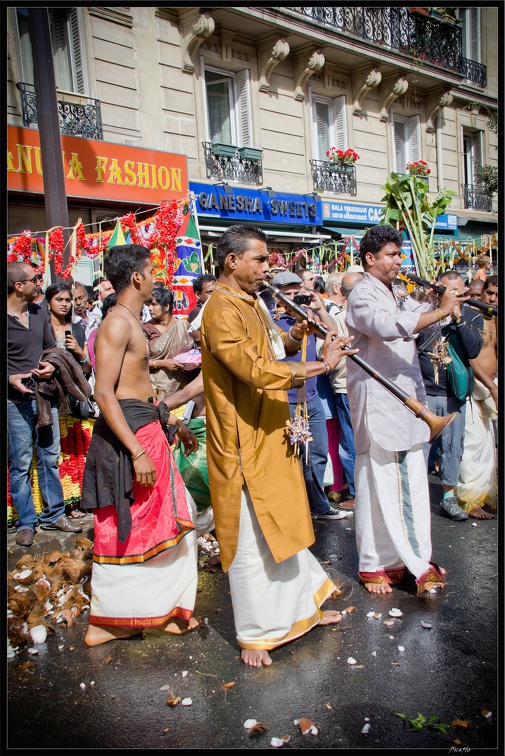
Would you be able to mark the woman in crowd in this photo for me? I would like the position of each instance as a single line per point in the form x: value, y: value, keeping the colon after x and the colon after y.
x: 70, y: 336
x: 168, y: 337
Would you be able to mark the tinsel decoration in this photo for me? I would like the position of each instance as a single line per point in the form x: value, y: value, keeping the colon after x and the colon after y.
x: 298, y: 426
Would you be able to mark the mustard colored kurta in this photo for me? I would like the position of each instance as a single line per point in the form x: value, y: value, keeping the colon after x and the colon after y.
x: 247, y: 442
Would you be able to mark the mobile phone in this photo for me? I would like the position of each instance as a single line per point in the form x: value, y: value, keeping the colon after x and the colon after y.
x: 302, y: 299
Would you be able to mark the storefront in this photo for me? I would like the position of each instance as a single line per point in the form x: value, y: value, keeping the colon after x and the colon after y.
x: 349, y: 221
x: 291, y: 222
x: 103, y: 182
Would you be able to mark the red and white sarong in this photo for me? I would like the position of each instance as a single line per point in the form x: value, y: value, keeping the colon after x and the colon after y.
x: 152, y: 576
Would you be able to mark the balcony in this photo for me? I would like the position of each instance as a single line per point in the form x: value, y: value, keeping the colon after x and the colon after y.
x: 227, y: 162
x: 78, y: 115
x: 475, y: 199
x: 330, y: 177
x: 419, y: 36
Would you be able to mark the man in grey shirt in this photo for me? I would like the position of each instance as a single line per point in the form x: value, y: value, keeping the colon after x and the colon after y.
x: 392, y: 496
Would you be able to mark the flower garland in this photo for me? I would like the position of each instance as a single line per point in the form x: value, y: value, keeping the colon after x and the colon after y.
x: 129, y: 222
x: 276, y: 260
x: 56, y: 246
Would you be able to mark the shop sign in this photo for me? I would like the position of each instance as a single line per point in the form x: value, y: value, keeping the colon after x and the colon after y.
x: 98, y: 170
x: 255, y: 205
x: 349, y: 212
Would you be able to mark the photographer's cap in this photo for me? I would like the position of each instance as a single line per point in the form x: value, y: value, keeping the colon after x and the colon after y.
x: 285, y: 278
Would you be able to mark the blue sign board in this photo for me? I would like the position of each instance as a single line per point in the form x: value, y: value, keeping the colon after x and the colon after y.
x: 370, y: 215
x: 238, y: 204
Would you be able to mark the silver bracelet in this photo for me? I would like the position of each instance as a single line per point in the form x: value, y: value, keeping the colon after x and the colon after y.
x: 327, y: 364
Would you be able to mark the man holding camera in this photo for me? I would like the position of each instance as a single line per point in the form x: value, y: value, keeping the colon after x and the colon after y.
x: 315, y: 458
x: 28, y: 334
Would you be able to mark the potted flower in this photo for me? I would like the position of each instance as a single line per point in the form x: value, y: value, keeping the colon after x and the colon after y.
x: 419, y: 168
x: 342, y: 159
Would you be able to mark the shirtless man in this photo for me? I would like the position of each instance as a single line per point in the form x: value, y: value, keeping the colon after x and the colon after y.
x: 138, y: 527
x: 485, y: 368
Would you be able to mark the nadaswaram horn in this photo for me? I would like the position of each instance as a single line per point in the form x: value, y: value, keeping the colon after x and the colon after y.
x: 435, y: 422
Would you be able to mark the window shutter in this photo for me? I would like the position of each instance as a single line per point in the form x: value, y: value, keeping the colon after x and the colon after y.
x: 322, y: 129
x: 414, y: 124
x: 399, y: 146
x: 477, y: 148
x: 77, y: 52
x: 340, y: 140
x: 473, y: 33
x: 59, y: 40
x: 243, y: 119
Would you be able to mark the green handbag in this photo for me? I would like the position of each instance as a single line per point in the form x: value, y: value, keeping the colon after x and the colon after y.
x: 459, y: 374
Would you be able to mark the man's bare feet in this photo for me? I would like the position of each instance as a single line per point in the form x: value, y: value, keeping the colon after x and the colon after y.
x: 330, y: 617
x: 378, y: 588
x: 256, y: 657
x: 480, y: 513
x: 96, y: 635
x: 179, y: 627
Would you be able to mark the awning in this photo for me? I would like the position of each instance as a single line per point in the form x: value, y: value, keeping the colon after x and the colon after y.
x: 357, y: 232
x: 276, y: 234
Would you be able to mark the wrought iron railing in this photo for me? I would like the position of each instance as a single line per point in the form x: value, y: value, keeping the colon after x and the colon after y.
x: 475, y: 199
x: 419, y: 36
x: 227, y: 162
x: 330, y: 177
x: 75, y: 118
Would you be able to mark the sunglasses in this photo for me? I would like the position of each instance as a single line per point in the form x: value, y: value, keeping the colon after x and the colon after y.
x: 31, y: 280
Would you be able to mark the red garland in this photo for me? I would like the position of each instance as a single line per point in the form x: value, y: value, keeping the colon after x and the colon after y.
x: 130, y: 223
x: 56, y: 245
x: 166, y: 227
x: 81, y: 238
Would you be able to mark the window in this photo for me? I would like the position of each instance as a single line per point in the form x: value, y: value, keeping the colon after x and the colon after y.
x: 471, y: 33
x: 66, y: 40
x: 406, y: 141
x: 472, y: 155
x: 328, y: 125
x: 228, y: 112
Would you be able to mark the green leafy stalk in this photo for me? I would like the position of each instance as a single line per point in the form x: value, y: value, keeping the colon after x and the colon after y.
x: 408, y: 205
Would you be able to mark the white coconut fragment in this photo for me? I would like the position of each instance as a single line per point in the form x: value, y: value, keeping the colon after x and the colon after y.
x: 60, y: 648
x: 348, y: 528
x: 350, y: 660
x: 184, y: 674
x: 279, y: 742
x: 401, y: 648
x: 38, y: 634
x: 165, y: 687
x: 395, y: 612
x: 32, y: 651
x: 249, y: 724
x: 366, y: 729
x: 22, y: 575
x: 474, y: 524
x: 367, y: 719
x: 426, y: 625
x: 370, y: 614
x: 374, y: 653
x: 82, y: 685
x: 186, y: 702
x: 92, y: 682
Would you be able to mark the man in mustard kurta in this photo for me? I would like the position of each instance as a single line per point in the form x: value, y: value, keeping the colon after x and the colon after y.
x: 262, y: 515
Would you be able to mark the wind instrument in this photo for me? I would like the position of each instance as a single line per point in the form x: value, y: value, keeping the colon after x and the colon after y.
x: 440, y: 288
x: 435, y: 423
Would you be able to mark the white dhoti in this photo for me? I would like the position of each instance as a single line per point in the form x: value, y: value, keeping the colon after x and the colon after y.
x: 393, y: 517
x: 273, y: 603
x: 477, y: 482
x: 147, y: 593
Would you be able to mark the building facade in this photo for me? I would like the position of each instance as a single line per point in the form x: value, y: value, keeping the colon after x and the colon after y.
x: 254, y: 97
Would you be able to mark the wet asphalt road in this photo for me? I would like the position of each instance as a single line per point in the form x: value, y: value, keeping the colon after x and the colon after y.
x: 111, y: 697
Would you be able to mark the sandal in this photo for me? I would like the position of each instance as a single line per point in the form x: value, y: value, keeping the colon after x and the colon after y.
x: 76, y: 514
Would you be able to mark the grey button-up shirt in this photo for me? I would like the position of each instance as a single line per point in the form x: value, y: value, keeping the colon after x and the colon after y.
x: 382, y: 324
